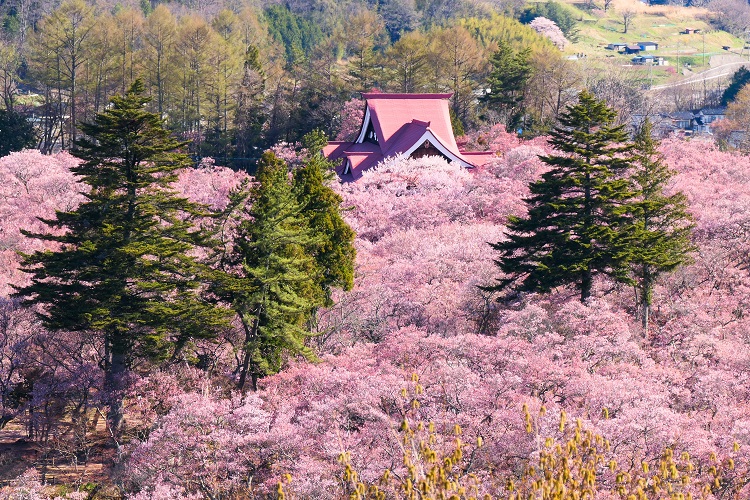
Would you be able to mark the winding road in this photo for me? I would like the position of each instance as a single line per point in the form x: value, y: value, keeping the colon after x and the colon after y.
x: 710, y: 74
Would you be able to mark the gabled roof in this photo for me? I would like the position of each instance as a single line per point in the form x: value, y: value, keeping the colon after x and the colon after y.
x: 401, y: 123
x: 681, y: 115
x: 713, y: 111
x: 390, y: 113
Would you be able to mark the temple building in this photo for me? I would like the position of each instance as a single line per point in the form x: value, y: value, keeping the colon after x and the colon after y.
x: 412, y: 125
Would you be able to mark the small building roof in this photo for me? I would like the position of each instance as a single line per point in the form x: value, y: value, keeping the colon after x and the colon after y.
x: 397, y: 124
x: 681, y: 115
x: 713, y: 111
x: 391, y: 113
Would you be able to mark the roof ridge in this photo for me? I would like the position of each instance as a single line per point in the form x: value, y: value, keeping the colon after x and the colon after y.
x: 382, y: 95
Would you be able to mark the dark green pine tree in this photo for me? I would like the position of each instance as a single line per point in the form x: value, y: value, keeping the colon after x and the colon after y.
x: 333, y: 250
x: 577, y: 225
x: 662, y: 224
x: 271, y: 280
x: 740, y: 78
x: 250, y: 116
x: 124, y: 270
x: 507, y: 82
x: 16, y: 132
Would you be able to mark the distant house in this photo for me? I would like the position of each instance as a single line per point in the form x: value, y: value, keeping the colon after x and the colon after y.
x: 648, y: 46
x: 681, y: 120
x: 618, y: 47
x: 696, y: 121
x: 412, y: 125
x: 713, y: 114
x: 688, y: 31
x: 704, y: 117
x: 649, y: 59
x: 632, y: 49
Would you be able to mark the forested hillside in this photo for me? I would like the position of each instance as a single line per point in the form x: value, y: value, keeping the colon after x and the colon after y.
x: 417, y: 342
x: 237, y: 77
x: 192, y: 306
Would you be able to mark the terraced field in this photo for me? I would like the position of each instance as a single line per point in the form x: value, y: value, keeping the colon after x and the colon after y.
x: 685, y: 54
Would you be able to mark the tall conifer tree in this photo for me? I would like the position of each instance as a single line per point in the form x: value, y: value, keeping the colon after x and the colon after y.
x: 661, y: 222
x: 271, y: 274
x: 290, y: 249
x: 577, y: 223
x: 333, y: 251
x: 123, y: 270
x: 511, y: 71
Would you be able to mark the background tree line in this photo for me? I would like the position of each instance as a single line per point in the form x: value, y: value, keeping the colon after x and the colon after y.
x: 236, y: 78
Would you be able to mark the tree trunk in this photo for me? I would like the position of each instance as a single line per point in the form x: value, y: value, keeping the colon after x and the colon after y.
x: 646, y: 292
x: 586, y: 283
x: 244, y: 370
x: 588, y: 223
x: 114, y: 383
x: 250, y: 333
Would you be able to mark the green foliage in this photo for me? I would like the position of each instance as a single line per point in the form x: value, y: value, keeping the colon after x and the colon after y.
x: 740, y: 78
x: 16, y: 132
x: 661, y: 223
x: 507, y: 82
x: 250, y: 116
x: 146, y: 7
x: 296, y: 34
x: 456, y: 124
x: 314, y: 142
x: 576, y: 223
x: 320, y: 100
x: 333, y: 251
x: 124, y: 269
x: 500, y: 29
x: 271, y: 279
x: 557, y: 12
x: 11, y: 24
x: 291, y: 248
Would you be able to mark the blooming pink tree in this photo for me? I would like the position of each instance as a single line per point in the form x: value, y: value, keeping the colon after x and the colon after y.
x: 32, y: 185
x: 549, y: 28
x: 418, y: 339
x: 351, y: 120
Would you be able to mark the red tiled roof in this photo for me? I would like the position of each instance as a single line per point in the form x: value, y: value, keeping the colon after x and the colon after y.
x: 406, y: 137
x: 391, y: 112
x: 362, y: 156
x: 402, y: 122
x: 479, y: 158
x: 334, y: 150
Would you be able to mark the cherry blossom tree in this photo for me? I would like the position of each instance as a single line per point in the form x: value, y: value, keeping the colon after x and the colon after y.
x: 351, y: 120
x: 416, y: 339
x: 549, y: 28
